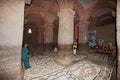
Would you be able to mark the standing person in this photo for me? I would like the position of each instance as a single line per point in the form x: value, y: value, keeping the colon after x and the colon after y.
x: 25, y: 56
x: 75, y: 47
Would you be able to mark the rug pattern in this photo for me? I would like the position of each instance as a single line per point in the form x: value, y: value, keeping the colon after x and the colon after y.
x: 44, y: 68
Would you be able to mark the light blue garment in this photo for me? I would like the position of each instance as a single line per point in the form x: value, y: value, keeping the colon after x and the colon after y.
x: 25, y: 57
x: 100, y: 42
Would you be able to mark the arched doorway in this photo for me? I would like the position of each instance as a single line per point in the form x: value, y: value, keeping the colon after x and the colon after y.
x: 31, y: 35
x: 34, y: 32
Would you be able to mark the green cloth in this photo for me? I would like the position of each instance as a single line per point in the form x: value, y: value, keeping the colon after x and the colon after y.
x: 25, y: 57
x: 25, y: 52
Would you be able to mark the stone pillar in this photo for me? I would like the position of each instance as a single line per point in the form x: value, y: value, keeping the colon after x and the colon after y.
x: 11, y: 34
x: 65, y: 36
x: 118, y: 38
x: 83, y: 37
x: 49, y: 35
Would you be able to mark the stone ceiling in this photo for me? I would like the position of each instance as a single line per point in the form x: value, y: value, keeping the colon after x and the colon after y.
x: 86, y: 3
x: 102, y: 11
x: 90, y: 9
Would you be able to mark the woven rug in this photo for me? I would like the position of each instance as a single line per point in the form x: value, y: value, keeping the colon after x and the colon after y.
x: 81, y: 71
x: 44, y: 68
x: 43, y: 65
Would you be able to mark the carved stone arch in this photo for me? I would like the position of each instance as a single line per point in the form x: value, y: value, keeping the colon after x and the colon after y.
x: 80, y: 11
x: 35, y: 10
x: 98, y: 17
x: 34, y: 18
x: 97, y: 6
x: 31, y: 38
x: 76, y: 17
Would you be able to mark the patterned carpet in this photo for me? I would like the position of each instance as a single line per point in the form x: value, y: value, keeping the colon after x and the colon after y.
x: 44, y: 68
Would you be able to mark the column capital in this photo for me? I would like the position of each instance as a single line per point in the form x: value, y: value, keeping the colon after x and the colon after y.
x: 65, y: 12
x: 65, y: 4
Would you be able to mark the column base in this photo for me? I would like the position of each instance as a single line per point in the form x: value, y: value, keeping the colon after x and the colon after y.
x: 65, y: 58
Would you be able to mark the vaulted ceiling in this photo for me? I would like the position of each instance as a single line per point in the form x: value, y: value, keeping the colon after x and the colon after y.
x: 94, y: 11
x: 86, y: 3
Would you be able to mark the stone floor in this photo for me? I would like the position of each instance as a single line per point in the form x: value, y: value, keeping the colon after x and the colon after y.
x: 88, y: 67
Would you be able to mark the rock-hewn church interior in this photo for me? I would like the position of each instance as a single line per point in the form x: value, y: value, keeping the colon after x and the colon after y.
x: 67, y: 39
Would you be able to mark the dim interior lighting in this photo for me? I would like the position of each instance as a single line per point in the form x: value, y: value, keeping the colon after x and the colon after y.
x: 29, y: 30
